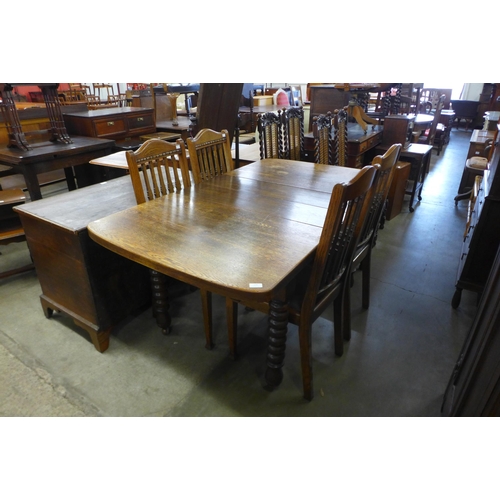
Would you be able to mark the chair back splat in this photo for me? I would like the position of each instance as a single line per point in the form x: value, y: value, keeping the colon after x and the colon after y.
x: 428, y: 137
x: 340, y: 136
x: 270, y: 135
x: 209, y: 154
x: 293, y: 132
x: 323, y: 143
x: 158, y: 168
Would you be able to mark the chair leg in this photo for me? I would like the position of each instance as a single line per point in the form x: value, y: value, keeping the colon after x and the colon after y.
x: 365, y: 280
x: 345, y: 306
x: 232, y: 326
x: 206, y: 305
x: 338, y: 325
x: 306, y: 360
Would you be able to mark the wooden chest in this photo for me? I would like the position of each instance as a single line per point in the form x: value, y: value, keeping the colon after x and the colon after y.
x: 95, y: 287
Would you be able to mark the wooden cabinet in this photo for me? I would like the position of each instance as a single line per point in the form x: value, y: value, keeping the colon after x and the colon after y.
x: 482, y: 237
x: 111, y: 123
x: 95, y: 287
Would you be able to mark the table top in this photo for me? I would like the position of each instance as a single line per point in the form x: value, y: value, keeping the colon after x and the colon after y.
x: 53, y: 150
x: 104, y: 112
x: 119, y: 159
x: 114, y: 160
x: 244, y: 234
x: 167, y: 125
x: 73, y: 210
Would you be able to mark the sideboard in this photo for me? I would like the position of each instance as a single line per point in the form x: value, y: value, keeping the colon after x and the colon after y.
x: 482, y: 235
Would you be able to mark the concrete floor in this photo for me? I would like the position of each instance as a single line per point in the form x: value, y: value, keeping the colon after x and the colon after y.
x: 397, y: 363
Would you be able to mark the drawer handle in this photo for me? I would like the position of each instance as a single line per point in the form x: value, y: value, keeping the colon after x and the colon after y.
x: 140, y: 119
x: 110, y: 124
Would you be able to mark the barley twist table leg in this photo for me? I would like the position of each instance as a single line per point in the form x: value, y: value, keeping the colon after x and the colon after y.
x: 278, y: 327
x: 160, y: 301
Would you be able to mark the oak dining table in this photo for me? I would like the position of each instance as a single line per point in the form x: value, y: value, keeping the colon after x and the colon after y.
x: 245, y: 235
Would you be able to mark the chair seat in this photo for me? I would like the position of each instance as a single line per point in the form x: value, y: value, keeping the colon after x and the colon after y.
x: 477, y: 163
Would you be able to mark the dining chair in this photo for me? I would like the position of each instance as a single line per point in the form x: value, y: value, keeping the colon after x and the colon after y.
x: 323, y: 139
x: 293, y: 132
x: 428, y: 136
x: 11, y: 229
x: 156, y: 169
x: 325, y: 280
x: 384, y: 172
x: 209, y: 154
x: 269, y: 126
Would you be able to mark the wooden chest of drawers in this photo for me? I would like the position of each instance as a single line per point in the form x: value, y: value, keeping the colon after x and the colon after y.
x: 95, y: 287
x: 111, y: 123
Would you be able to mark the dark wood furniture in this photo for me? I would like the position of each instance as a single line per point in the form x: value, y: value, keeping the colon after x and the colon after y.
x: 419, y: 156
x: 124, y: 125
x: 324, y: 98
x: 482, y: 237
x: 385, y: 167
x: 55, y: 156
x: 183, y: 126
x: 45, y: 145
x: 218, y: 105
x: 474, y: 386
x: 398, y: 129
x: 429, y: 98
x: 17, y: 136
x: 93, y: 286
x: 359, y: 144
x: 427, y: 137
x: 254, y: 229
x: 112, y: 123
x: 465, y: 110
x: 270, y: 130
